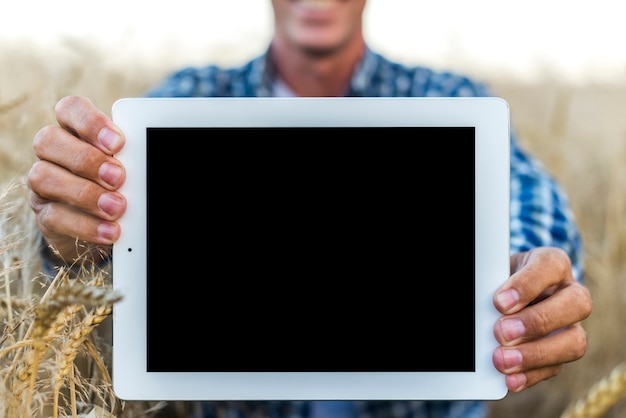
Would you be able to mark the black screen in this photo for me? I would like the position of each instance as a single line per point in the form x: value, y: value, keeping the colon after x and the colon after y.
x: 311, y: 249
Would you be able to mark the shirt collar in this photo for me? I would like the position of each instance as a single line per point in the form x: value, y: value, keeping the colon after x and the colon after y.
x: 364, y: 74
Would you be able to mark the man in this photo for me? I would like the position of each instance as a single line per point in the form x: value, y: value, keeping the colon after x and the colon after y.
x: 318, y: 49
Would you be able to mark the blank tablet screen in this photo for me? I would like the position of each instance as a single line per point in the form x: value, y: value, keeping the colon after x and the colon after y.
x: 310, y: 249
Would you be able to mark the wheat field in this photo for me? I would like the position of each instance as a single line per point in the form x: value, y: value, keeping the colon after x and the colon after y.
x: 54, y: 353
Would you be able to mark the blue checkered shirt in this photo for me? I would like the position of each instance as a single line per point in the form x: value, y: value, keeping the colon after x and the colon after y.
x: 540, y: 212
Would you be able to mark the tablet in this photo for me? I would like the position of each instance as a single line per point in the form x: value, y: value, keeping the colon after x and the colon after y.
x: 310, y: 248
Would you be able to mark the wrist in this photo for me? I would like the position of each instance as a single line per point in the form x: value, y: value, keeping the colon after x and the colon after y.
x: 84, y: 257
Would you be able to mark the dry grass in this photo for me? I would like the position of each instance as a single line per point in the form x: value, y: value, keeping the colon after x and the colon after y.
x: 53, y: 362
x: 580, y: 134
x: 53, y: 355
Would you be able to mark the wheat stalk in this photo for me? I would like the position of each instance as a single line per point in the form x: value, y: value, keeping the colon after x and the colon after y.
x: 601, y: 397
x: 52, y: 316
x: 71, y: 346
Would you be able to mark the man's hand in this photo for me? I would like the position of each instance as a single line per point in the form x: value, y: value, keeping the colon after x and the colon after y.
x: 540, y: 329
x: 74, y: 183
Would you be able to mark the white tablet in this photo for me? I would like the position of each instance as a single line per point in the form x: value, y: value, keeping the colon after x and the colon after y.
x: 311, y: 248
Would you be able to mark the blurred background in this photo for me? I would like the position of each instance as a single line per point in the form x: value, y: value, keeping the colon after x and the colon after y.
x: 529, y: 39
x: 560, y: 64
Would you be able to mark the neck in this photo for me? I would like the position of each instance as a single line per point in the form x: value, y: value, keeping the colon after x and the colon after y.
x: 314, y: 73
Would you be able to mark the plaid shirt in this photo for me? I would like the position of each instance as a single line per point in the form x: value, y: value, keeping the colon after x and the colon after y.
x: 540, y: 212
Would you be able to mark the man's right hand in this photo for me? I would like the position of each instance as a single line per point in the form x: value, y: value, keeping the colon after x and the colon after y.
x: 74, y: 184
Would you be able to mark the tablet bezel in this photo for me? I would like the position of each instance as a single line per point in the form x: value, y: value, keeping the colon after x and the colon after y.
x: 489, y: 116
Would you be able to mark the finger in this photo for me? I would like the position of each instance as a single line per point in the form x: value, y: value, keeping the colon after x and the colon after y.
x: 542, y: 356
x: 52, y: 183
x: 79, y: 116
x: 59, y: 223
x: 571, y: 304
x: 532, y: 274
x: 58, y: 146
x: 523, y: 377
x: 519, y: 381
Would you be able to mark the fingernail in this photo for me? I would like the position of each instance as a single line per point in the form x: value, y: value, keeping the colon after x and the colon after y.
x: 109, y: 138
x: 516, y: 382
x: 512, y: 329
x: 110, y: 203
x: 107, y: 231
x: 511, y: 359
x: 111, y: 174
x: 508, y: 298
